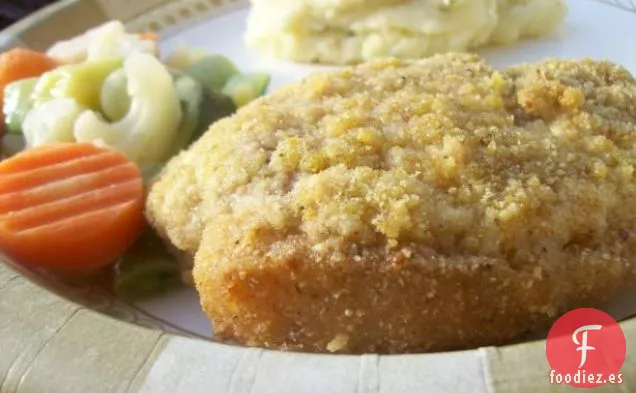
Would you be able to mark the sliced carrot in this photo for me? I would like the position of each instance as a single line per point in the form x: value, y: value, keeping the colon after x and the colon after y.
x: 72, y: 206
x: 20, y: 63
x: 150, y: 36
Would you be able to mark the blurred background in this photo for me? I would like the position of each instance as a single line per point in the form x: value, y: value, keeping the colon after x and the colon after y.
x: 12, y: 11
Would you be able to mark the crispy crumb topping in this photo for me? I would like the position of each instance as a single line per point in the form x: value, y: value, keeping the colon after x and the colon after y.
x: 445, y: 153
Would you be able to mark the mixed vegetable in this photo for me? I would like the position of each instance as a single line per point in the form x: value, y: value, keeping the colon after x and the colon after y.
x: 83, y: 126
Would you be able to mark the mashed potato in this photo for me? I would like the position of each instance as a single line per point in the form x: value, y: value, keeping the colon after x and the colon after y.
x: 350, y: 31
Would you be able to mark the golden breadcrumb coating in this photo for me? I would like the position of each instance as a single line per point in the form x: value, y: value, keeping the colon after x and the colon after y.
x: 402, y: 206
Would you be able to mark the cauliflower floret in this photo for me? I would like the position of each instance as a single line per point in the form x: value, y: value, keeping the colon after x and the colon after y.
x: 118, y: 43
x: 147, y: 133
x: 104, y: 41
x: 51, y: 122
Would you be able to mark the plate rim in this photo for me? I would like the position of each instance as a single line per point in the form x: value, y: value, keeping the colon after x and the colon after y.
x: 152, y: 357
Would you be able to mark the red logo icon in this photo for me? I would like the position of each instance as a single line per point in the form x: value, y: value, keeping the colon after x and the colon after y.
x: 586, y: 348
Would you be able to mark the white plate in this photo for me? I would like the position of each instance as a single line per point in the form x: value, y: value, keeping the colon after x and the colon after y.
x: 592, y: 29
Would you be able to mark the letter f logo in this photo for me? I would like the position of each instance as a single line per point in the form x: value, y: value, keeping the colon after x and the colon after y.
x: 583, y: 344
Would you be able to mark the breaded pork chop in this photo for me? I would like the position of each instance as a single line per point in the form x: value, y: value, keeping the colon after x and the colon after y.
x: 404, y: 206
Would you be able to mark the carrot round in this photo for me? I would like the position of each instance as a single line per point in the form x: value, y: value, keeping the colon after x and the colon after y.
x: 150, y: 36
x: 20, y: 63
x: 69, y: 207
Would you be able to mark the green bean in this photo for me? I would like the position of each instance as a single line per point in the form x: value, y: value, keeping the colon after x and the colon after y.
x: 244, y: 88
x: 147, y: 269
x: 212, y: 71
x: 200, y: 107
